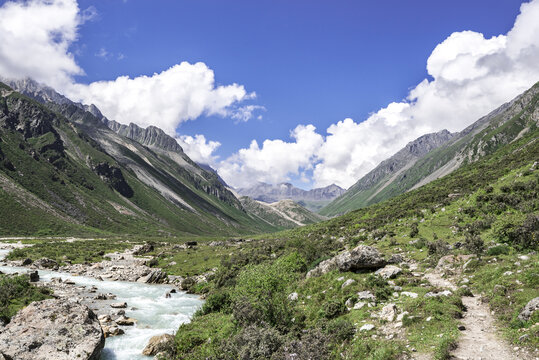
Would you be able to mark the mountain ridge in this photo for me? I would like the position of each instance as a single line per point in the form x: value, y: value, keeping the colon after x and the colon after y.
x: 501, y: 126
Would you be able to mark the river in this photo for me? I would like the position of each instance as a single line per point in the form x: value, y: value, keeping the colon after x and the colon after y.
x: 155, y: 314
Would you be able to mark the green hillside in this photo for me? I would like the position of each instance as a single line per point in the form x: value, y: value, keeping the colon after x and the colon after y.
x: 77, y: 177
x: 261, y: 302
x: 489, y: 133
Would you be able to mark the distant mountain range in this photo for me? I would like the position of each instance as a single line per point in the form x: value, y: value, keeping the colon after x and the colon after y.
x: 313, y: 199
x: 435, y: 155
x: 67, y: 169
x: 284, y: 213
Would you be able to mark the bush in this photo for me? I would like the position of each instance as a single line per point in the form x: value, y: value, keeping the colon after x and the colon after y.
x: 219, y: 301
x: 414, y: 230
x: 333, y: 308
x: 438, y: 247
x: 253, y: 343
x: 525, y: 236
x: 340, y: 330
x: 498, y: 250
x: 379, y: 286
x: 17, y: 292
x: 474, y: 244
x: 313, y: 345
x: 261, y: 292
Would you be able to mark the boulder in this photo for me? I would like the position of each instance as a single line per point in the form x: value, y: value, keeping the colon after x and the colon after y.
x: 45, y: 263
x: 34, y: 276
x: 395, y: 259
x: 366, y: 295
x: 529, y: 309
x: 360, y: 258
x: 158, y: 344
x: 53, y: 329
x: 389, y: 271
x: 125, y: 321
x: 120, y: 305
x: 26, y: 262
x: 112, y: 331
x: 143, y: 249
x: 154, y: 277
x: 389, y: 312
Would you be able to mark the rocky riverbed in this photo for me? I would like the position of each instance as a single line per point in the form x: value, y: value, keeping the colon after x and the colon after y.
x: 132, y: 301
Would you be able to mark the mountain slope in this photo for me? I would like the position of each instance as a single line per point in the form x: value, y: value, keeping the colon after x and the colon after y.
x: 285, y: 214
x: 313, y: 199
x: 68, y: 173
x: 502, y: 126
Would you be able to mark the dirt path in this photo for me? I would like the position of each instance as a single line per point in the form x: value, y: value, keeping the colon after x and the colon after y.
x: 479, y: 340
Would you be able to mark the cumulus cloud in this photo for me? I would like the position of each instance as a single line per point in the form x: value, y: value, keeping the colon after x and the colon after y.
x: 199, y: 149
x: 36, y: 37
x: 182, y: 92
x: 274, y: 161
x: 470, y: 76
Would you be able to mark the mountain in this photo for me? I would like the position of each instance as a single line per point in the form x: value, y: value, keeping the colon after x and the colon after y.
x: 502, y: 126
x: 388, y: 171
x: 285, y: 214
x: 313, y: 199
x: 63, y: 170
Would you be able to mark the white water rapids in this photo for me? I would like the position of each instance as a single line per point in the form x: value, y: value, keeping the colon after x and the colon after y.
x: 155, y: 314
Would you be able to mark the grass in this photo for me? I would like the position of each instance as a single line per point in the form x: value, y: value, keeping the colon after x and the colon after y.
x: 15, y: 293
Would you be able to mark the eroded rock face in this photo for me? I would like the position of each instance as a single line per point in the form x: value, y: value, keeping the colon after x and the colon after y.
x: 53, y: 329
x: 360, y: 258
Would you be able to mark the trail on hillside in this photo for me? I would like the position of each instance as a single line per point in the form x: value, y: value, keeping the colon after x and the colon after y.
x: 479, y: 340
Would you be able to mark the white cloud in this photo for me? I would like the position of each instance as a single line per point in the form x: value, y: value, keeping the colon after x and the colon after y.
x: 274, y: 161
x: 35, y: 39
x: 182, y: 92
x: 245, y: 113
x: 199, y: 149
x: 471, y: 76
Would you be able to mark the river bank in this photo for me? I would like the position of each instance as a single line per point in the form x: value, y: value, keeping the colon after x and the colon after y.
x: 154, y: 309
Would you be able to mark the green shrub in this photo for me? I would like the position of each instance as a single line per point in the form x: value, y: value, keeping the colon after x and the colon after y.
x: 219, y: 301
x: 333, y: 308
x: 379, y: 286
x: 498, y: 250
x: 17, y: 292
x: 261, y: 292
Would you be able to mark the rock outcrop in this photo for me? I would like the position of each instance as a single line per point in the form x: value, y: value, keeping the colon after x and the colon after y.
x: 53, y: 329
x: 531, y: 307
x: 360, y: 258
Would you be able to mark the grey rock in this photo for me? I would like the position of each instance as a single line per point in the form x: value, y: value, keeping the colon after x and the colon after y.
x: 53, y: 329
x: 154, y: 277
x: 389, y: 271
x: 120, y: 305
x: 438, y: 294
x: 45, y: 263
x: 157, y: 344
x: 531, y: 307
x: 360, y: 258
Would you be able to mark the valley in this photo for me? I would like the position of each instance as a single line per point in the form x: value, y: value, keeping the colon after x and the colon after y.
x: 101, y: 217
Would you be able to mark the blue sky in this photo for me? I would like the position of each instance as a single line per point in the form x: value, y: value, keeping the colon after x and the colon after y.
x: 308, y: 61
x: 319, y: 70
